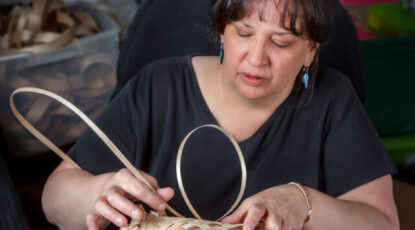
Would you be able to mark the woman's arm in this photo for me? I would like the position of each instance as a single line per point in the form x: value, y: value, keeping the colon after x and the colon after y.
x: 75, y: 199
x: 370, y: 206
x: 69, y: 194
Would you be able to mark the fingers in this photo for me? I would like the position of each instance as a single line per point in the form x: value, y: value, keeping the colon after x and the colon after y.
x: 236, y: 217
x: 276, y: 206
x: 141, y: 192
x: 249, y: 213
x: 124, y: 205
x: 110, y: 213
x: 150, y: 179
x: 166, y: 193
x: 118, y: 196
x: 254, y: 215
x: 92, y: 221
x: 273, y: 222
x: 131, y: 185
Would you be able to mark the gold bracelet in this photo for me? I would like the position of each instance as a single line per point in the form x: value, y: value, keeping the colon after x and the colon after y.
x: 306, y: 197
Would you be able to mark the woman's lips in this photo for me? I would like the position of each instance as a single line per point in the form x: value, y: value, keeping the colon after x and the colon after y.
x: 253, y: 80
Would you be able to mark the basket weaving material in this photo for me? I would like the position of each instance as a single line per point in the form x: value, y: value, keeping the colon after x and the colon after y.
x: 152, y: 220
x: 69, y: 50
x: 157, y: 221
x: 43, y: 25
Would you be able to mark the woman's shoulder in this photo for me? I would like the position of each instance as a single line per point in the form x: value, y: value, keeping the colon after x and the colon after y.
x: 163, y: 70
x: 330, y: 87
x: 175, y: 66
x: 204, y: 61
x: 331, y: 83
x: 166, y: 64
x: 329, y: 78
x: 180, y: 62
x: 169, y: 74
x: 204, y: 66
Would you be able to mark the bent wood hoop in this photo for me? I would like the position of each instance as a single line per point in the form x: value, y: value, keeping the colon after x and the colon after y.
x: 241, y: 159
x: 117, y: 152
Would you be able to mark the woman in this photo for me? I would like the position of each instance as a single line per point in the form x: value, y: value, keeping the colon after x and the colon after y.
x: 292, y: 124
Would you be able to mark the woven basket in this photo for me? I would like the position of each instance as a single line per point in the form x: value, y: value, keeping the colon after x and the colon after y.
x: 157, y: 221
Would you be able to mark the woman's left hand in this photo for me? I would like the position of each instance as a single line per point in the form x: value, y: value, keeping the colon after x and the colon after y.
x: 281, y: 208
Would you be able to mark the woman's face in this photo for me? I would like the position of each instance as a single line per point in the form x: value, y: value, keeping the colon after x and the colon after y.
x: 261, y: 58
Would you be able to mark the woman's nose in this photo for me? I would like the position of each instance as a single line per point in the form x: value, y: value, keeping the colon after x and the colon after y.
x: 257, y: 53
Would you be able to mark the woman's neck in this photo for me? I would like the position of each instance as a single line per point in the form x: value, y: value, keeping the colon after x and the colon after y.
x: 227, y: 105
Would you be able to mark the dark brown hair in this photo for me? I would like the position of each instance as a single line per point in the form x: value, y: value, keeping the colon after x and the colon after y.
x: 313, y: 16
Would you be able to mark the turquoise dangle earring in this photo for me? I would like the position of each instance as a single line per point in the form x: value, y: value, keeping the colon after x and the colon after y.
x: 305, y: 78
x: 221, y: 52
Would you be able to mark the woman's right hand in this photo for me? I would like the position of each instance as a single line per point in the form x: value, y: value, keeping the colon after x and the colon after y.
x: 118, y: 195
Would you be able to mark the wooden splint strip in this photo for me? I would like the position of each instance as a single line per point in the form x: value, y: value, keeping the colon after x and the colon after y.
x: 151, y: 220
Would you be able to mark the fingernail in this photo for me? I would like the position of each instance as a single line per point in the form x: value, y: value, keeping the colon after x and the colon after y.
x: 161, y: 207
x: 118, y: 220
x: 135, y: 213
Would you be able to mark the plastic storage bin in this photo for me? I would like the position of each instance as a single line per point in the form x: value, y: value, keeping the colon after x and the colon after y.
x: 83, y: 73
x: 390, y: 84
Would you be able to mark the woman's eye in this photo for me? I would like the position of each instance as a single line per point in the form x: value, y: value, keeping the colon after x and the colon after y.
x: 244, y: 34
x: 280, y: 45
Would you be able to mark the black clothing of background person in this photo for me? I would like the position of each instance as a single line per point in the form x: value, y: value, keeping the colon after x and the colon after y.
x: 165, y: 28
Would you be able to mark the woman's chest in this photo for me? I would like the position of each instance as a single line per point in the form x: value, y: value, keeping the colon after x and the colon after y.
x: 211, y: 171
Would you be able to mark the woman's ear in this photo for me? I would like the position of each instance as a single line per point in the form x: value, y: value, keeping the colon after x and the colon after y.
x: 311, y: 53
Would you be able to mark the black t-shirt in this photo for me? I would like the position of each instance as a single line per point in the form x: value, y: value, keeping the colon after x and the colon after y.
x: 329, y: 144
